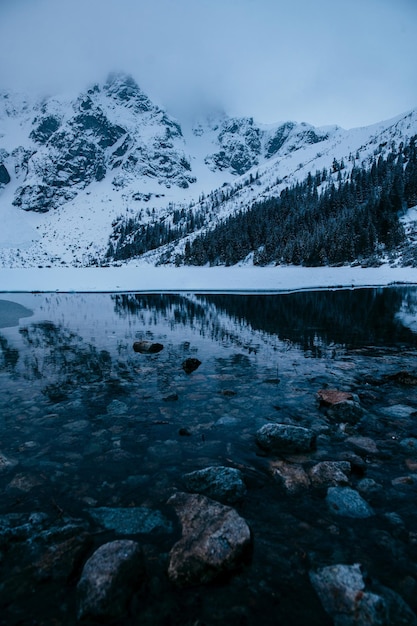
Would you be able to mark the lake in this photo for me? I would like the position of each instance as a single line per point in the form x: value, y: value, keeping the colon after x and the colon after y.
x: 87, y: 423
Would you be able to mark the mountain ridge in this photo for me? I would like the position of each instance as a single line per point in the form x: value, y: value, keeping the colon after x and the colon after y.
x: 72, y: 168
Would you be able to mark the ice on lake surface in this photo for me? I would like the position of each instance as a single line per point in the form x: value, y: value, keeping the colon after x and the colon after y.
x: 87, y: 425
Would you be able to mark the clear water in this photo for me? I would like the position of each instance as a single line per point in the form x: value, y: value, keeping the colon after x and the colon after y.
x: 85, y: 421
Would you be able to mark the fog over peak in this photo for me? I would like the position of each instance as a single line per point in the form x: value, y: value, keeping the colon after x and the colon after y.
x: 350, y: 63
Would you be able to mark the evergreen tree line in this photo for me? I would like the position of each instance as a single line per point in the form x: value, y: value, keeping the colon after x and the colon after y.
x: 352, y: 218
x: 131, y: 238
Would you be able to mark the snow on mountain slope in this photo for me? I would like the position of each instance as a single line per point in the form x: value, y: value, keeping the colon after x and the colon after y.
x: 70, y: 166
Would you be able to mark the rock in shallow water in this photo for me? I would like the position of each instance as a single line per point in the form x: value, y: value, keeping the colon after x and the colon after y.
x: 347, y: 502
x: 215, y: 540
x: 190, y: 365
x: 287, y: 438
x: 343, y: 594
x: 131, y: 520
x: 108, y: 580
x: 220, y: 483
x: 147, y: 347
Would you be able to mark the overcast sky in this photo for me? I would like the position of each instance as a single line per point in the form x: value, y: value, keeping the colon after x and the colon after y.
x: 349, y: 62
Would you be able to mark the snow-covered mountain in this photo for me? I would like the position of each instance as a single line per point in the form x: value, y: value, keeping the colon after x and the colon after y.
x: 71, y: 168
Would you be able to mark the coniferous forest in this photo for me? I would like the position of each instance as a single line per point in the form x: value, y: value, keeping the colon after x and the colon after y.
x: 331, y: 217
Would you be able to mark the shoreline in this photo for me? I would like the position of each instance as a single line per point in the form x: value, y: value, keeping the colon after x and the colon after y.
x: 236, y: 279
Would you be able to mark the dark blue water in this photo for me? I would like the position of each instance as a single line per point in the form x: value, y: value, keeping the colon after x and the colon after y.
x: 86, y: 422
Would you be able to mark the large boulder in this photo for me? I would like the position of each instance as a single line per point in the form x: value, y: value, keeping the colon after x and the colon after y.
x: 108, y: 580
x: 215, y: 540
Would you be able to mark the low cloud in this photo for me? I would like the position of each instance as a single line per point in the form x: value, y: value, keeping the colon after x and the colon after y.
x: 325, y: 62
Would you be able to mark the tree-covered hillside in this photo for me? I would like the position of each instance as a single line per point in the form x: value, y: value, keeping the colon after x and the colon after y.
x: 337, y: 215
x: 320, y: 221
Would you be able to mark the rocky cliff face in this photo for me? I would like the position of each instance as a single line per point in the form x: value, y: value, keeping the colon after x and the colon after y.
x: 112, y: 131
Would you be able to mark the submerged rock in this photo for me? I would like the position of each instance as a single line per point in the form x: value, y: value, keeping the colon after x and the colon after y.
x: 220, y: 483
x: 293, y: 477
x: 131, y: 520
x: 347, y: 502
x: 147, y: 347
x: 108, y: 580
x: 341, y: 405
x: 215, y: 540
x: 344, y: 596
x: 287, y: 438
x: 330, y: 473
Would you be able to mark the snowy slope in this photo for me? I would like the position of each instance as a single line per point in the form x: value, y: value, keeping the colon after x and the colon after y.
x: 70, y: 166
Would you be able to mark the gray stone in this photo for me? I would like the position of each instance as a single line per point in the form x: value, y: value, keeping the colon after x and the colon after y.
x: 410, y: 445
x: 227, y: 420
x: 330, y: 473
x: 347, y: 502
x: 131, y: 520
x: 398, y: 410
x: 345, y: 597
x: 341, y: 592
x: 214, y: 540
x: 363, y: 444
x: 220, y: 483
x: 108, y: 580
x: 285, y: 437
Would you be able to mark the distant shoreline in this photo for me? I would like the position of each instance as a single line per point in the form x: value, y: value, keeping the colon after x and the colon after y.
x: 237, y: 279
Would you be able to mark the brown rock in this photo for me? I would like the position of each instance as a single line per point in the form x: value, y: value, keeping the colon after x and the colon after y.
x: 214, y: 540
x: 293, y: 477
x: 330, y: 397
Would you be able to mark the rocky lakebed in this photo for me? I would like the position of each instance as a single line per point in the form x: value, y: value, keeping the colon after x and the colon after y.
x: 201, y: 460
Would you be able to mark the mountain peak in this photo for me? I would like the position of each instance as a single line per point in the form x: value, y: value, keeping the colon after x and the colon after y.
x: 125, y: 91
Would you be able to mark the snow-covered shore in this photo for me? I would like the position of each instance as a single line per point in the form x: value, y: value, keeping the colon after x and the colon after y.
x: 147, y: 279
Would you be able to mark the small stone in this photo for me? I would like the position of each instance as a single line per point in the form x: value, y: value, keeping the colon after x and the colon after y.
x: 147, y: 347
x: 330, y: 473
x: 173, y: 397
x: 227, y: 420
x: 284, y: 437
x: 363, y: 444
x: 330, y: 397
x: 398, y: 410
x: 108, y: 580
x: 369, y: 487
x: 403, y: 378
x: 292, y: 476
x: 409, y: 445
x: 190, y: 365
x: 342, y: 406
x: 347, y: 502
x: 6, y: 463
